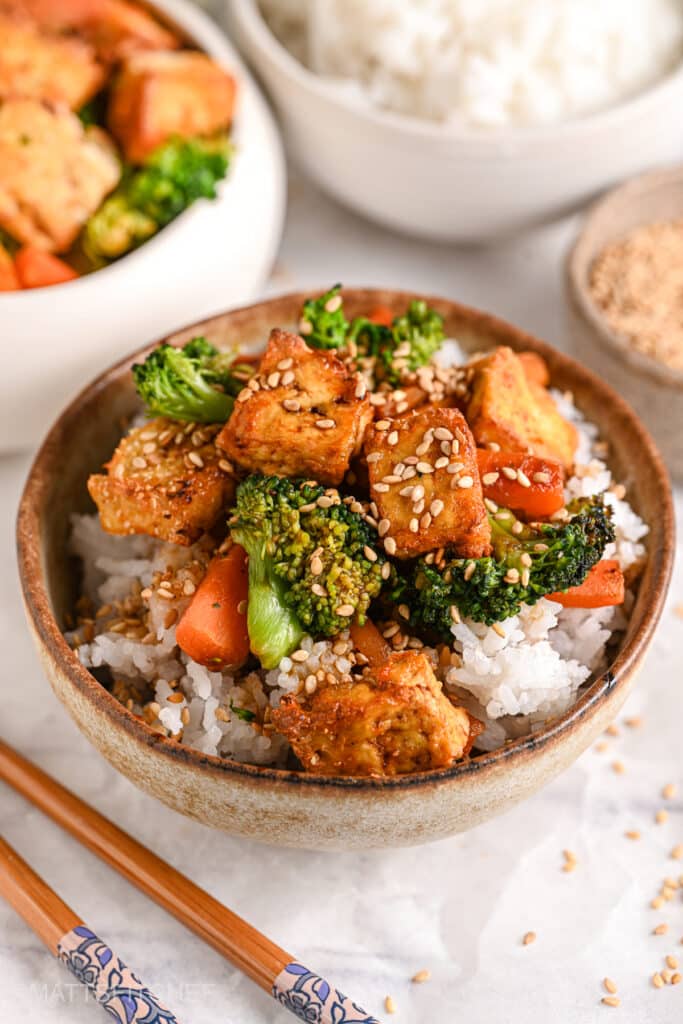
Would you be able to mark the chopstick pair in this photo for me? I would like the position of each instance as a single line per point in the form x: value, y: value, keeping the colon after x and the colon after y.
x: 301, y: 991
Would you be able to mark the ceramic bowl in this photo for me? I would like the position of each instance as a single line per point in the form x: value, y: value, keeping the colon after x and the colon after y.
x: 654, y: 390
x: 216, y: 254
x: 445, y: 182
x: 288, y: 807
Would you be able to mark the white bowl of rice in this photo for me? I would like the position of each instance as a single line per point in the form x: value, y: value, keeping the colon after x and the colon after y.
x: 545, y: 682
x: 464, y: 122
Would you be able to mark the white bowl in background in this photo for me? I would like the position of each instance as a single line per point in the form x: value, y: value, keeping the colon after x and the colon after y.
x: 217, y: 253
x: 447, y: 183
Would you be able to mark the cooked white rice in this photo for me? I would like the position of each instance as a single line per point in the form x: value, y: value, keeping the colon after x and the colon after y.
x: 484, y: 63
x: 514, y: 682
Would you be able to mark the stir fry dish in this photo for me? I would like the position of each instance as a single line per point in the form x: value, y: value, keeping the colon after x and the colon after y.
x: 331, y: 541
x: 110, y: 127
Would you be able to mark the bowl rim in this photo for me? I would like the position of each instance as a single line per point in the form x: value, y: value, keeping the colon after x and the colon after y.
x: 64, y: 659
x: 582, y: 254
x: 208, y: 36
x: 498, y: 139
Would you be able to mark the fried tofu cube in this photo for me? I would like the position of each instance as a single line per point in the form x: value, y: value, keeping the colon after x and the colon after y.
x: 535, y: 368
x: 36, y: 65
x: 305, y: 414
x: 159, y: 95
x: 164, y: 482
x: 390, y: 722
x: 508, y: 408
x: 425, y: 482
x: 115, y: 28
x: 54, y: 173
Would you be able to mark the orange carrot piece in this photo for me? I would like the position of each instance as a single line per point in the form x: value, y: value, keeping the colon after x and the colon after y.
x: 39, y: 269
x: 603, y: 586
x: 382, y: 315
x: 9, y: 282
x: 213, y: 628
x: 370, y: 642
x: 542, y: 492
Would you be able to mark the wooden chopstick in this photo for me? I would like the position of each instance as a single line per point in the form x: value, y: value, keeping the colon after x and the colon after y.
x: 275, y: 970
x: 89, y: 959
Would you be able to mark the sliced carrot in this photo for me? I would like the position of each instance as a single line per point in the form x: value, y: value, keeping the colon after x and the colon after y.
x: 539, y: 495
x: 370, y: 642
x: 9, y: 282
x: 382, y: 315
x: 213, y: 629
x: 603, y: 586
x: 38, y: 269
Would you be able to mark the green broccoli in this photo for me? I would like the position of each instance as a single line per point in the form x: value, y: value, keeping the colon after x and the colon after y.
x: 315, y: 564
x: 194, y: 383
x: 527, y: 563
x: 148, y: 197
x: 409, y: 343
x: 322, y: 322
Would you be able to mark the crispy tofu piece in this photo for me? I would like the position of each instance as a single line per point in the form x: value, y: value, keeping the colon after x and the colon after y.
x: 393, y: 721
x: 115, y: 28
x: 36, y: 65
x: 175, y: 490
x: 53, y: 173
x: 158, y: 95
x: 425, y: 482
x: 535, y: 368
x: 306, y: 418
x: 509, y: 409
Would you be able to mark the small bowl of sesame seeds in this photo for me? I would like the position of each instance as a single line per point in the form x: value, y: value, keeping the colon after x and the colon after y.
x: 624, y: 280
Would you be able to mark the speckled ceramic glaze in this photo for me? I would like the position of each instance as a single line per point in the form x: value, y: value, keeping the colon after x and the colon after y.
x: 291, y: 808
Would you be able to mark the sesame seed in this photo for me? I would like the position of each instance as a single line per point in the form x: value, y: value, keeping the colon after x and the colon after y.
x: 305, y: 327
x: 632, y: 833
x: 288, y: 378
x: 455, y: 467
x: 542, y: 478
x: 273, y: 379
x: 325, y: 424
x: 418, y: 507
x: 361, y: 389
x: 425, y: 467
x: 676, y: 978
x: 509, y: 472
x: 285, y: 364
x: 316, y: 566
x: 382, y: 425
x: 611, y: 1001
x: 175, y: 698
x: 523, y: 479
x: 657, y: 903
x: 402, y: 407
x: 196, y: 459
x: 443, y: 434
x: 244, y: 395
x: 618, y: 767
x: 291, y: 405
x: 391, y: 630
x: 311, y: 684
x: 253, y: 384
x: 383, y: 527
x: 386, y: 570
x: 392, y: 438
x: 413, y: 525
x: 324, y: 501
x: 677, y: 852
x: 242, y: 606
x: 465, y: 482
x: 390, y: 545
x: 318, y: 590
x: 139, y: 463
x: 345, y: 610
x: 490, y: 478
x: 609, y: 985
x: 671, y: 962
x: 426, y: 521
x: 497, y: 628
x: 661, y: 817
x: 441, y: 462
x: 373, y: 457
x: 299, y: 655
x: 389, y: 1005
x: 454, y: 613
x: 418, y: 492
x: 380, y: 487
x: 469, y: 571
x: 370, y: 554
x: 661, y: 929
x: 333, y: 304
x: 404, y: 611
x: 421, y: 976
x: 423, y: 448
x: 529, y: 937
x: 657, y: 980
x: 669, y: 791
x: 436, y: 507
x: 226, y: 466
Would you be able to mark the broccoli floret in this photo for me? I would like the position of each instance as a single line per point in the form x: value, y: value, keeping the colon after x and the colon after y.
x: 193, y: 383
x: 308, y: 562
x: 322, y: 322
x: 527, y: 563
x: 418, y: 334
x: 149, y: 197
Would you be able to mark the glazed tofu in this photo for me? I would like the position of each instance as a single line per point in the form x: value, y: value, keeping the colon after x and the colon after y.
x: 164, y: 482
x: 393, y: 721
x: 54, y: 173
x: 305, y: 414
x: 115, y: 28
x: 39, y: 66
x: 425, y: 482
x: 535, y: 368
x: 508, y: 408
x: 158, y: 95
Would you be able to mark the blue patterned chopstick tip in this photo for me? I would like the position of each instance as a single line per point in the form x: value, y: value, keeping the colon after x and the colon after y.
x: 312, y: 999
x: 114, y: 985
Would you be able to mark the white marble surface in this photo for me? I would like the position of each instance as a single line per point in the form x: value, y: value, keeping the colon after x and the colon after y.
x: 368, y: 922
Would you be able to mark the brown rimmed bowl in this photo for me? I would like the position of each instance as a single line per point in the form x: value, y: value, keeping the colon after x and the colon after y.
x: 291, y: 808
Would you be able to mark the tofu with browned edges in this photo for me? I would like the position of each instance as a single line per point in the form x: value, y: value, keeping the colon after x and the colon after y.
x: 40, y: 66
x: 425, y: 483
x: 53, y: 173
x: 159, y: 95
x: 508, y: 407
x: 394, y: 720
x: 304, y: 414
x: 166, y: 480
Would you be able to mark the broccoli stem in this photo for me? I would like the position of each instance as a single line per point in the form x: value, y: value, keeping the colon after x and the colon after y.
x: 274, y: 629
